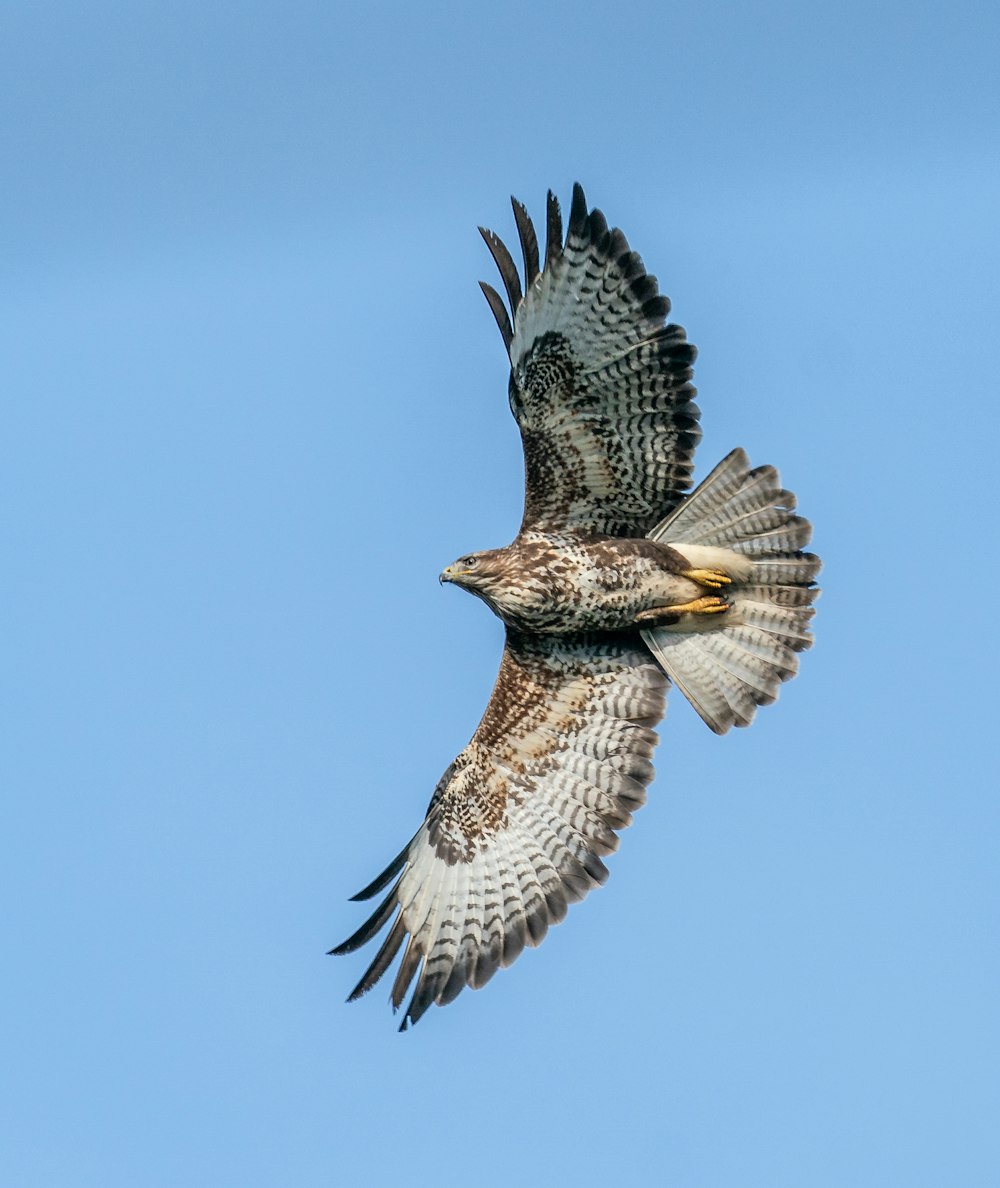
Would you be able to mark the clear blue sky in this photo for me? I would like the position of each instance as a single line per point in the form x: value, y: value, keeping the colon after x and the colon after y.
x: 254, y: 401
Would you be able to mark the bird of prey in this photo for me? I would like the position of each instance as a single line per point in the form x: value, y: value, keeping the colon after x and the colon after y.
x: 617, y: 584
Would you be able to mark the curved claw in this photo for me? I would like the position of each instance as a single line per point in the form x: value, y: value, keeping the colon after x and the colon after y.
x: 711, y: 579
x: 667, y: 616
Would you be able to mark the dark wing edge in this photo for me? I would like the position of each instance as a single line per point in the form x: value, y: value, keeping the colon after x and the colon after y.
x: 599, y: 380
x: 520, y: 822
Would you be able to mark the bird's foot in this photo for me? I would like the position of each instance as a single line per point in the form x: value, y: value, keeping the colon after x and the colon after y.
x: 667, y: 616
x: 711, y: 579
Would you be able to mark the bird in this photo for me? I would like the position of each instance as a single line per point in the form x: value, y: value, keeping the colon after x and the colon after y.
x: 618, y: 583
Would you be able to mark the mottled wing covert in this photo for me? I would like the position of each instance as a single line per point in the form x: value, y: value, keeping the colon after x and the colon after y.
x: 519, y: 823
x: 599, y: 385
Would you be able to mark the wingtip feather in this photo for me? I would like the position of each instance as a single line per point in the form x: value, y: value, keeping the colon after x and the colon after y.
x: 506, y: 267
x: 496, y: 304
x: 553, y: 229
x: 529, y: 241
x: 578, y: 212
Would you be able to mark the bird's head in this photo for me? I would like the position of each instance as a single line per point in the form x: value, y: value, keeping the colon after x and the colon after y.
x: 474, y: 571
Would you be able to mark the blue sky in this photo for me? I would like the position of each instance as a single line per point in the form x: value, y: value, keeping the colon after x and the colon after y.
x: 255, y: 402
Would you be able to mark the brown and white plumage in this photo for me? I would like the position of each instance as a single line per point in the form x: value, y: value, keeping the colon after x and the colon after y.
x: 519, y: 824
x: 599, y: 385
x: 604, y: 593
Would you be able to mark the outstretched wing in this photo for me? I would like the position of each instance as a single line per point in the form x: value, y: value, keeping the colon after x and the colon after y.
x: 599, y: 385
x: 518, y: 825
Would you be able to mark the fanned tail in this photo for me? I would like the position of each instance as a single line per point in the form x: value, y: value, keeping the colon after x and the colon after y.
x: 742, y: 522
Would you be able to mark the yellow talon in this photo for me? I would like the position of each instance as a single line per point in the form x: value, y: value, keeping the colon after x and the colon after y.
x: 666, y: 615
x: 712, y: 579
x: 702, y: 606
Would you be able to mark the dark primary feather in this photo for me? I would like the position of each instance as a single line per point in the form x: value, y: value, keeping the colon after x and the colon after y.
x: 383, y: 880
x: 505, y: 264
x: 371, y: 927
x: 577, y: 213
x: 553, y: 229
x: 383, y: 959
x: 529, y: 242
x: 499, y: 312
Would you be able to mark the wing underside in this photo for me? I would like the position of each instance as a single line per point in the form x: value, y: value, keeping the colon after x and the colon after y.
x: 599, y: 383
x: 520, y: 822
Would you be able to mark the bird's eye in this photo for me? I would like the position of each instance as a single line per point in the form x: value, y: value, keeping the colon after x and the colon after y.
x: 469, y: 562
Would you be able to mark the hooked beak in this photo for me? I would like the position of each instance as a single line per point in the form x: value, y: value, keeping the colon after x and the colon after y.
x: 452, y: 574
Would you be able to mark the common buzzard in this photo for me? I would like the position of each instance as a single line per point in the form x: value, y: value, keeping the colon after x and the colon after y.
x: 616, y: 585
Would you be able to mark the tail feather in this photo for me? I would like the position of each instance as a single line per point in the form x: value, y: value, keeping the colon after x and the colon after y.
x: 785, y: 596
x: 729, y: 531
x: 790, y: 625
x: 727, y: 665
x: 730, y: 492
x: 798, y: 569
x: 783, y: 538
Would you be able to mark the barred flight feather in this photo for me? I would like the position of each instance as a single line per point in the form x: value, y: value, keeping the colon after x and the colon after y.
x: 599, y: 385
